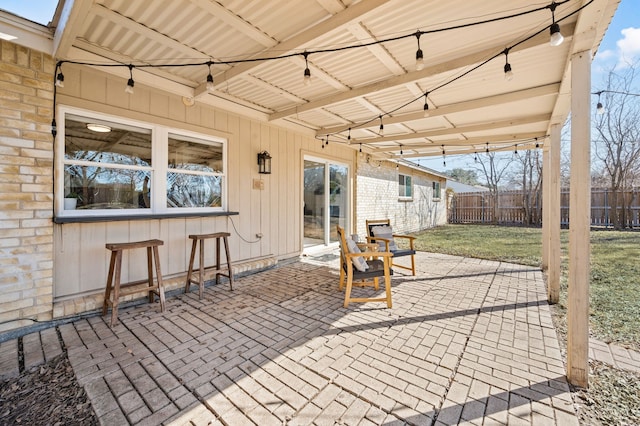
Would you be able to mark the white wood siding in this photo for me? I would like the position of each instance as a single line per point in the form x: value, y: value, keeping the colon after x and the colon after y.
x: 81, y: 260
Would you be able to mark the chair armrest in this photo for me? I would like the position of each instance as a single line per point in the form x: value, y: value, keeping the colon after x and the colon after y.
x: 406, y: 237
x: 370, y: 246
x: 369, y: 254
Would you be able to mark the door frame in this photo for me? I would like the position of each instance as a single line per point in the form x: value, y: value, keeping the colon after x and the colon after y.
x: 327, y: 160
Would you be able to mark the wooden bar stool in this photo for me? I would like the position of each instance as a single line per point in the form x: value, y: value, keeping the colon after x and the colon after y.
x: 218, y: 269
x: 115, y: 268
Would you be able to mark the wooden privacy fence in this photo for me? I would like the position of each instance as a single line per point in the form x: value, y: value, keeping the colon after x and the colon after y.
x: 480, y: 207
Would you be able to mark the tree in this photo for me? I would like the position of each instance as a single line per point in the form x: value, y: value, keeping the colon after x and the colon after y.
x: 469, y: 177
x: 617, y: 139
x: 494, y: 168
x: 528, y: 176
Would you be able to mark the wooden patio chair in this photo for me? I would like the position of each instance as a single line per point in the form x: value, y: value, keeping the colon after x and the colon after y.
x: 379, y: 231
x: 363, y: 268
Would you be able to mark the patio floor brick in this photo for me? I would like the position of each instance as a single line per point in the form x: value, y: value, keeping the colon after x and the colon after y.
x: 467, y: 341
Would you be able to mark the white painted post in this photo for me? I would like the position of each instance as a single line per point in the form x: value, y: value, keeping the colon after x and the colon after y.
x: 546, y: 206
x: 553, y: 271
x: 579, y: 221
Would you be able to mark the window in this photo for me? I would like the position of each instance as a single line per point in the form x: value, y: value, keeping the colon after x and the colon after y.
x: 436, y: 190
x: 112, y: 166
x: 404, y: 186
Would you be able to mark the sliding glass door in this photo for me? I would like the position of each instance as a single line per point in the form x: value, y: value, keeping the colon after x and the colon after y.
x: 326, y: 200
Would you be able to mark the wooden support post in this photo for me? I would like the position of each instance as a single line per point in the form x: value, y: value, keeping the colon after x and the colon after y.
x: 579, y: 221
x: 546, y: 206
x: 554, y: 253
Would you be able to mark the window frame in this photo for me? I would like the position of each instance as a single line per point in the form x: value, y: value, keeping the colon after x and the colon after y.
x: 436, y: 188
x: 158, y: 169
x: 405, y: 197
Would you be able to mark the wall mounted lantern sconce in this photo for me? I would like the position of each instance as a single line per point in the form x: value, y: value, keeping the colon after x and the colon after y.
x: 264, y: 163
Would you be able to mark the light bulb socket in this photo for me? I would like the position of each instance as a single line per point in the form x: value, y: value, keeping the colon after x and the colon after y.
x: 210, y: 85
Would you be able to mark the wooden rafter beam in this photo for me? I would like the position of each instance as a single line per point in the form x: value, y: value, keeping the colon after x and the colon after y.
x: 431, y: 71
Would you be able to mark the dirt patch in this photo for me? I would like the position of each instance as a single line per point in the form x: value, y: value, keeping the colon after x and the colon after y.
x: 613, y: 397
x: 47, y: 395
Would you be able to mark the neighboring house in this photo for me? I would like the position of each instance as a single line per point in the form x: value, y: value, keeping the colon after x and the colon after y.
x: 411, y: 196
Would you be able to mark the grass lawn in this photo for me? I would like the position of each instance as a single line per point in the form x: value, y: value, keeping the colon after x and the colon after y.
x: 615, y: 268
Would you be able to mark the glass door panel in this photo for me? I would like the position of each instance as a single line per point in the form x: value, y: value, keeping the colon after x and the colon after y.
x: 314, y: 211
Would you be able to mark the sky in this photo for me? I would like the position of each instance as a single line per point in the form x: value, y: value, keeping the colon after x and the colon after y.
x: 620, y: 45
x: 40, y: 11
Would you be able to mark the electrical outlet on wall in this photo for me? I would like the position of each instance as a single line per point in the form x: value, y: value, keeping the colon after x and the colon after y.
x: 258, y: 184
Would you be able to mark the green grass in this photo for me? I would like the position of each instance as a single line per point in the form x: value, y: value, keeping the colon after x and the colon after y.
x: 615, y: 268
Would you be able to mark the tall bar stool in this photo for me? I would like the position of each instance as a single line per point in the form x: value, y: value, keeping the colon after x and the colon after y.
x: 120, y: 290
x: 219, y: 270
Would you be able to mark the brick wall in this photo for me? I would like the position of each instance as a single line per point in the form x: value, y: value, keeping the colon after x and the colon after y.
x: 26, y: 186
x: 377, y: 198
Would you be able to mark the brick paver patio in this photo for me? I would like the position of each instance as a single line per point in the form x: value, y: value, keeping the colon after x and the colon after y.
x: 467, y: 342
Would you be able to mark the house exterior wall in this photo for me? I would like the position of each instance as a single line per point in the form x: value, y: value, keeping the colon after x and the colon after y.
x: 377, y: 198
x: 50, y: 270
x: 26, y: 185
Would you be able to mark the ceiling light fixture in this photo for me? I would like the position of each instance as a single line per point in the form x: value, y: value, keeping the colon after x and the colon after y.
x: 556, y: 38
x: 130, y: 82
x: 100, y: 128
x: 419, y: 55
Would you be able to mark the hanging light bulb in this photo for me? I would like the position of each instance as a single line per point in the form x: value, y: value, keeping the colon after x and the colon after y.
x: 130, y: 82
x: 60, y: 79
x: 360, y: 151
x: 537, y: 144
x: 327, y: 141
x: 508, y: 73
x: 419, y: 55
x: 475, y: 157
x: 556, y: 38
x: 487, y: 150
x: 381, y: 130
x: 349, y: 138
x: 444, y: 159
x: 515, y: 150
x: 599, y: 106
x: 426, y: 105
x: 307, y: 72
x: 210, y: 85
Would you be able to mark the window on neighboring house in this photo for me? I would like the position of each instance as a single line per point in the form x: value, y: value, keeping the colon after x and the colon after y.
x: 114, y: 166
x: 405, y: 189
x: 436, y: 190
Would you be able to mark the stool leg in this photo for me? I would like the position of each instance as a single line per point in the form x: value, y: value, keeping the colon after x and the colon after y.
x: 150, y: 273
x: 217, y: 260
x: 116, y: 289
x: 230, y: 272
x: 156, y: 256
x: 107, y: 290
x: 190, y: 271
x: 201, y: 283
